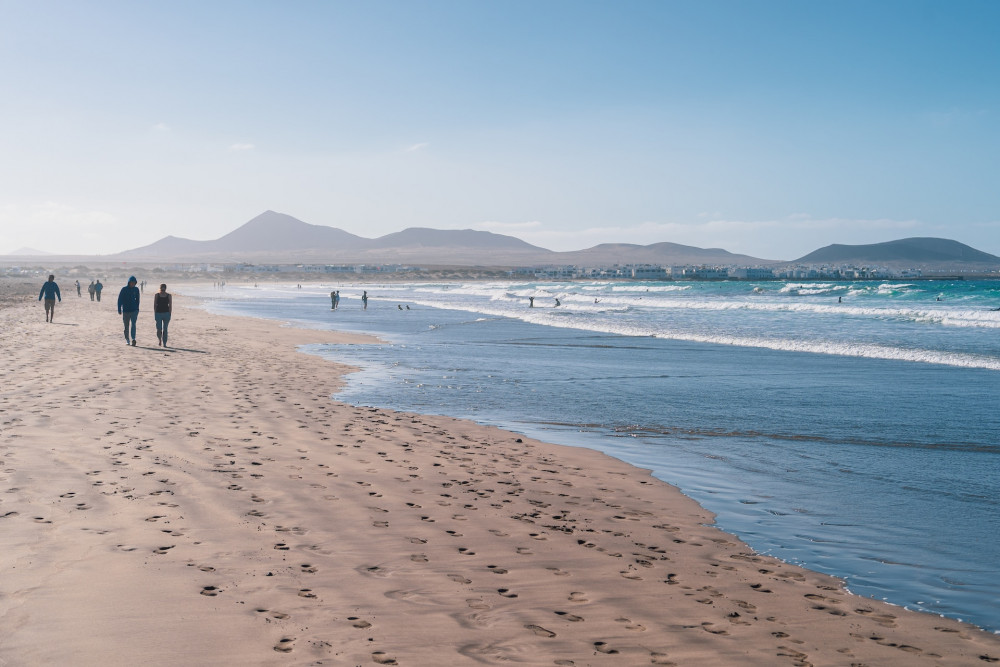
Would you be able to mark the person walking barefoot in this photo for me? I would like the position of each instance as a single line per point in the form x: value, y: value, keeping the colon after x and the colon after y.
x: 50, y: 290
x: 163, y: 304
x: 128, y: 307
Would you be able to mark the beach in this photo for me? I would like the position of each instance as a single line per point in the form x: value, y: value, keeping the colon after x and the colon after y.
x: 211, y: 504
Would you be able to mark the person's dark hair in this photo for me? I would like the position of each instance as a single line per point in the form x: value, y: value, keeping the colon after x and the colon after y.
x: 163, y: 286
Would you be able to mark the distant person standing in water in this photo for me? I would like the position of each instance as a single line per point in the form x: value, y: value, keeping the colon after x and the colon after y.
x: 531, y: 302
x: 333, y: 300
x: 128, y: 307
x: 163, y: 305
x: 364, y: 300
x: 50, y: 290
x: 97, y: 289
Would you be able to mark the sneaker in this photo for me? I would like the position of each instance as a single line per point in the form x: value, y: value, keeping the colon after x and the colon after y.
x: 133, y: 342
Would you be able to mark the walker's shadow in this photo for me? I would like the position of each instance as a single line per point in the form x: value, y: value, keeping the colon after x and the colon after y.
x: 179, y: 349
x: 66, y: 324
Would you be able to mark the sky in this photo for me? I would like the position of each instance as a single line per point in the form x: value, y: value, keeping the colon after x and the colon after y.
x: 765, y: 127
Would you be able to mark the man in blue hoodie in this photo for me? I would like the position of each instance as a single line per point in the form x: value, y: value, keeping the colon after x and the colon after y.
x: 128, y: 306
x: 51, y: 292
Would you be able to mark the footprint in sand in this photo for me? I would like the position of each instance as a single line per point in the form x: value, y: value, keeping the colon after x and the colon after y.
x: 629, y: 625
x: 383, y: 658
x: 418, y: 558
x: 459, y: 579
x: 306, y: 567
x: 284, y: 645
x: 577, y: 596
x: 358, y: 623
x: 568, y: 616
x: 306, y: 593
x: 540, y: 631
x: 602, y: 647
x: 163, y: 550
x: 496, y: 569
x: 556, y: 571
x: 210, y: 591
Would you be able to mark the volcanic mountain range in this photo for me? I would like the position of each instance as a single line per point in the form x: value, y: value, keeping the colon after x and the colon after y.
x: 278, y: 238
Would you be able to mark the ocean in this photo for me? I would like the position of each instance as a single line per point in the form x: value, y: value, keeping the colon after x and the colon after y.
x: 849, y: 427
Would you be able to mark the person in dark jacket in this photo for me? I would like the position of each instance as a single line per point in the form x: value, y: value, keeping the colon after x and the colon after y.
x: 128, y: 306
x: 50, y: 290
x: 97, y: 289
x: 163, y: 304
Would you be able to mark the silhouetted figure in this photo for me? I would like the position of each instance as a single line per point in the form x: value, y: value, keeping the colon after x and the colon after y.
x: 50, y: 290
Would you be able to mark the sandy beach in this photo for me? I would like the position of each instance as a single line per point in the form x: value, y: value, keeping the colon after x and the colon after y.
x: 210, y: 504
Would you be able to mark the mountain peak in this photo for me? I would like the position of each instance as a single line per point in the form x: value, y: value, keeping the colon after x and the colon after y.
x: 915, y: 251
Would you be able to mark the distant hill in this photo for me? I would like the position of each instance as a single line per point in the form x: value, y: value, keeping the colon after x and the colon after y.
x: 914, y: 252
x: 29, y: 252
x: 278, y: 238
x: 273, y: 237
x: 657, y: 253
x: 269, y: 232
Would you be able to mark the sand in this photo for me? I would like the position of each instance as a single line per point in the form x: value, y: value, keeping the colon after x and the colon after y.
x: 210, y: 504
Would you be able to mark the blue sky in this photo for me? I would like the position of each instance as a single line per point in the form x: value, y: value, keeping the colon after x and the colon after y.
x: 769, y: 128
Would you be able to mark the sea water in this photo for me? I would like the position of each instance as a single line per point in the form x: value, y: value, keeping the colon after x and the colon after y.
x: 847, y: 427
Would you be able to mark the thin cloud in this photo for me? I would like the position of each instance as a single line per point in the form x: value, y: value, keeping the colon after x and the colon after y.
x: 416, y: 147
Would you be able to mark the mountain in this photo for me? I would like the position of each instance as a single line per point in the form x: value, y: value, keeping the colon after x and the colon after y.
x: 657, y: 253
x: 277, y: 238
x: 273, y: 237
x: 29, y: 252
x: 424, y: 237
x: 913, y: 252
x: 269, y: 232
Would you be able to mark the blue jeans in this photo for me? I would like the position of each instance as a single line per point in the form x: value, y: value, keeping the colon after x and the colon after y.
x: 162, y: 320
x: 130, y: 317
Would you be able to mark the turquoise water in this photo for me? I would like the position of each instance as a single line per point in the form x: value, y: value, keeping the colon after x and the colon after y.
x: 847, y: 427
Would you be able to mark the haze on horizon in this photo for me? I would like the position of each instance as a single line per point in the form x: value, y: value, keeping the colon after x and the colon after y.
x: 767, y: 128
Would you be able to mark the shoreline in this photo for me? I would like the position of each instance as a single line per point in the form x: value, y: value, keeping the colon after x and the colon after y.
x: 214, y: 501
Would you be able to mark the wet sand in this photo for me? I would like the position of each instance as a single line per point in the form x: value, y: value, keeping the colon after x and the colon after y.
x: 210, y: 504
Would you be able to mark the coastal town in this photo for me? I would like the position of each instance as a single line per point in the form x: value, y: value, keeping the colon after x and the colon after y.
x: 652, y: 272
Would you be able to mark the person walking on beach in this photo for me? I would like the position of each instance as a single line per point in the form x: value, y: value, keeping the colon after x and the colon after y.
x: 97, y: 289
x: 50, y: 290
x: 128, y: 307
x: 91, y: 289
x: 364, y: 300
x: 78, y: 292
x: 163, y: 305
